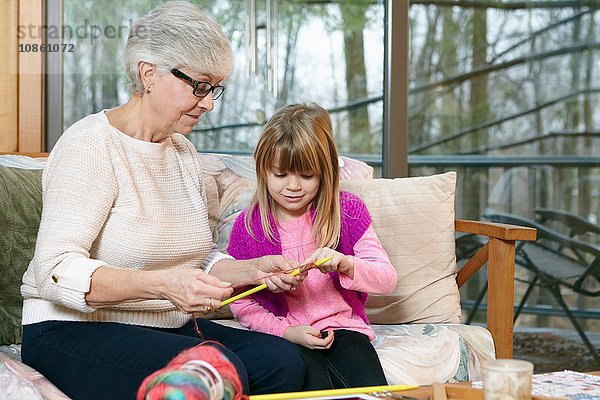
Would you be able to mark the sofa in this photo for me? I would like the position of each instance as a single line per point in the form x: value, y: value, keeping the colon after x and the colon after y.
x: 420, y: 338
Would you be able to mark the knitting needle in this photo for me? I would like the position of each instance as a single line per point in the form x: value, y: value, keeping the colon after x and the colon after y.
x: 258, y: 288
x: 439, y: 391
x: 330, y: 392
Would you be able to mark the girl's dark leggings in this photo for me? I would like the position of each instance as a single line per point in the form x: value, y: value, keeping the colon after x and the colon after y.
x: 350, y: 362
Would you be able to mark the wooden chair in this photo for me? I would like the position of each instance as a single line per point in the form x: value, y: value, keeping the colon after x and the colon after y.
x: 556, y: 261
x: 575, y: 226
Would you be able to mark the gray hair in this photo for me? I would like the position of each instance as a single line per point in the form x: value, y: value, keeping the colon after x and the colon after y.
x: 177, y: 34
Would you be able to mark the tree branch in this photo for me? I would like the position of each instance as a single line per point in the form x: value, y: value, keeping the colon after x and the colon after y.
x: 487, y: 68
x: 551, y: 135
x: 499, y: 121
x: 539, y: 32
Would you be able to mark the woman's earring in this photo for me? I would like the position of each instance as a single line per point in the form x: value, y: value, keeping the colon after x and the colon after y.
x: 148, y: 88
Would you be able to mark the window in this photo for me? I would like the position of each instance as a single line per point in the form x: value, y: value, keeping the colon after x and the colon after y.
x: 505, y: 93
x: 331, y: 53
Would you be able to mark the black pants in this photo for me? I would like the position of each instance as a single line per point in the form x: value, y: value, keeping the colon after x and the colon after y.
x: 102, y: 360
x: 350, y: 362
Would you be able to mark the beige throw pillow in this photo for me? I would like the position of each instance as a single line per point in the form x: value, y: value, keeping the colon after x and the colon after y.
x: 414, y: 219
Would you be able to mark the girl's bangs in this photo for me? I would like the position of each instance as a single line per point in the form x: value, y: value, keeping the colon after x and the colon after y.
x: 293, y: 158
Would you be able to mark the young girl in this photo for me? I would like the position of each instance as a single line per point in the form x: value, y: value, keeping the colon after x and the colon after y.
x: 299, y: 212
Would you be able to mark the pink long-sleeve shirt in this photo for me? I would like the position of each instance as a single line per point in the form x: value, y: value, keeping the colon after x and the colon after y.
x: 316, y: 302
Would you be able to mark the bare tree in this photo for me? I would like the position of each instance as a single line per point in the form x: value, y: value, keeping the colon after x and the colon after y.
x: 353, y: 22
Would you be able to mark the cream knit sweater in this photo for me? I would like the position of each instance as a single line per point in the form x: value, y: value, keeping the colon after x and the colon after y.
x: 112, y: 200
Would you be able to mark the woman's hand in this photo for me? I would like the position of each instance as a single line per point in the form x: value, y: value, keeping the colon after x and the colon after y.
x: 340, y: 262
x: 193, y: 290
x: 309, y: 337
x: 280, y: 282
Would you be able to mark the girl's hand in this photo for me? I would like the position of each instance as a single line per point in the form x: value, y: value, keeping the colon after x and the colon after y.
x: 309, y: 337
x: 281, y: 282
x: 340, y: 262
x: 193, y: 290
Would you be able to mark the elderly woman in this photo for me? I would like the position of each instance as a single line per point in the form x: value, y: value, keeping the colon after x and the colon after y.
x: 124, y: 255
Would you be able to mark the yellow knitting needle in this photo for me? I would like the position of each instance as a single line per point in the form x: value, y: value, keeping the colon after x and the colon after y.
x: 331, y: 392
x: 264, y: 285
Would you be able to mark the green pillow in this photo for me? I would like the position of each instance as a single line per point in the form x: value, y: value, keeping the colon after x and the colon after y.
x: 20, y: 211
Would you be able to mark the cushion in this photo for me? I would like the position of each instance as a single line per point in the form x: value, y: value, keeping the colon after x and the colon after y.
x: 414, y: 219
x: 20, y: 211
x: 420, y: 354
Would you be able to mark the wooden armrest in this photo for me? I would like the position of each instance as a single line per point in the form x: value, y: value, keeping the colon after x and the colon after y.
x: 499, y: 253
x: 32, y: 155
x: 495, y: 230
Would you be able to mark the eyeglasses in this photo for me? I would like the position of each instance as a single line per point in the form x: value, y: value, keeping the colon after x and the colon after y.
x: 201, y: 89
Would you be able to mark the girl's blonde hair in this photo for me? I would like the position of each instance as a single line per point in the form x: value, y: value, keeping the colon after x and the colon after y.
x: 299, y: 138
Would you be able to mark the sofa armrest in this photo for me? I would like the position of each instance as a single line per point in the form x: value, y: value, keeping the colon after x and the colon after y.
x: 499, y: 253
x: 495, y: 230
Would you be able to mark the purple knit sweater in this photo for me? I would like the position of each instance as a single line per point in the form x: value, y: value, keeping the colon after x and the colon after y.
x: 354, y: 222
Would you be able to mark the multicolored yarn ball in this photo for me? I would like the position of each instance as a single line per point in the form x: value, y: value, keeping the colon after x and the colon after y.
x: 199, y: 373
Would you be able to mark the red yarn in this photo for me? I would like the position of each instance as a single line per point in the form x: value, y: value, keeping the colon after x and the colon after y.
x: 205, y: 352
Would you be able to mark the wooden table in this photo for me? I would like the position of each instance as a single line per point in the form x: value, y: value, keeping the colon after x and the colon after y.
x: 453, y: 391
x: 456, y: 391
x: 463, y: 391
